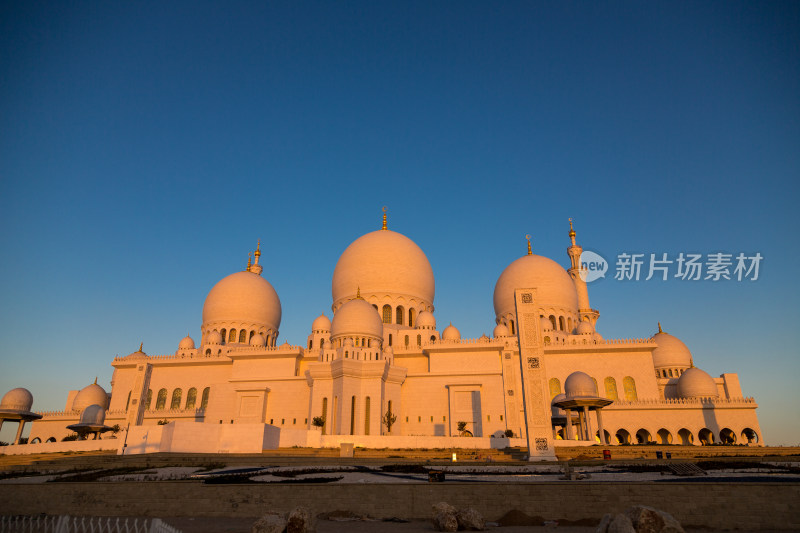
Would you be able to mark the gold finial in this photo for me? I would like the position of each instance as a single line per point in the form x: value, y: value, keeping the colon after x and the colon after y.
x: 528, y: 236
x: 358, y: 294
x: 659, y: 328
x: 249, y: 262
x: 258, y: 250
x: 384, y: 218
x: 140, y: 346
x: 95, y: 380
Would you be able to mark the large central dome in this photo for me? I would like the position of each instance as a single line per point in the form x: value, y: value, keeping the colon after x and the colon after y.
x: 242, y: 299
x: 388, y: 268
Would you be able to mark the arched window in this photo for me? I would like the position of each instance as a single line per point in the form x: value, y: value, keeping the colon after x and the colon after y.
x: 222, y: 334
x: 208, y: 351
x: 629, y: 386
x: 324, y: 414
x: 561, y: 325
x: 191, y: 398
x: 555, y: 388
x: 322, y: 343
x: 204, y: 398
x: 553, y: 321
x: 406, y: 341
x: 411, y: 316
x: 595, y: 385
x: 670, y: 372
x: 176, y: 399
x: 161, y: 401
x: 366, y: 416
x: 399, y: 314
x: 511, y: 327
x: 149, y: 399
x: 611, y: 388
x: 310, y: 343
x: 353, y: 415
x: 419, y: 340
x: 546, y: 340
x: 357, y: 341
x: 389, y: 409
x: 387, y: 314
x: 251, y: 336
x: 232, y: 335
x: 346, y: 354
x: 242, y: 336
x: 433, y: 338
x: 390, y: 339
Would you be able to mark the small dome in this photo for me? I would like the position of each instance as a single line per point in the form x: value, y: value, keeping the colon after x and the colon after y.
x: 18, y: 399
x: 214, y: 337
x: 557, y: 411
x: 243, y: 297
x: 94, y: 415
x: 500, y: 330
x: 554, y: 286
x: 90, y: 395
x: 425, y: 319
x: 321, y: 323
x: 483, y: 337
x: 671, y: 352
x: 187, y: 343
x: 597, y: 337
x: 257, y: 340
x: 579, y: 384
x: 348, y: 342
x: 585, y: 328
x: 546, y: 324
x: 450, y: 333
x: 357, y: 317
x: 388, y: 350
x: 695, y: 383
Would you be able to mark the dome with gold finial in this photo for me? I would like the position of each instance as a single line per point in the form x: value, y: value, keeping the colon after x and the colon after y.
x: 90, y: 395
x: 357, y: 318
x: 389, y: 269
x: 670, y: 352
x: 243, y: 300
x: 555, y: 290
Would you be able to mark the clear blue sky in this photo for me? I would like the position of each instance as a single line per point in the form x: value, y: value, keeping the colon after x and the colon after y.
x: 144, y: 147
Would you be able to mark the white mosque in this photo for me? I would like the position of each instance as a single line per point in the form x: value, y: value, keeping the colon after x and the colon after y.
x: 381, y: 373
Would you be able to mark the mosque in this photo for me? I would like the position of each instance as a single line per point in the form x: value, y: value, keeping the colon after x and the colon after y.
x: 381, y: 373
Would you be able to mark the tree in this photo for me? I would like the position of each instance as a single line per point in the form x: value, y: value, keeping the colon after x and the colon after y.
x: 318, y: 421
x: 389, y: 419
x: 462, y: 429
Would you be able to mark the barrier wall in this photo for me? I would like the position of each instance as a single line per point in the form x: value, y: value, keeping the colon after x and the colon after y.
x: 68, y: 446
x: 751, y: 506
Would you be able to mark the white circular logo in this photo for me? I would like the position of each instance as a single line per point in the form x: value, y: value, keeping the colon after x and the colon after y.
x: 593, y: 266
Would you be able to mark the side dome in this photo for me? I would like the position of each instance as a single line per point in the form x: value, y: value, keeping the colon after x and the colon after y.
x: 321, y: 323
x: 426, y: 320
x: 695, y: 383
x: 585, y: 328
x: 451, y: 333
x: 92, y: 394
x: 579, y: 384
x: 357, y: 317
x: 187, y: 343
x: 242, y: 298
x: 384, y: 263
x: 215, y: 337
x: 19, y: 399
x: 671, y: 352
x: 258, y: 340
x: 94, y: 415
x: 500, y: 330
x: 555, y: 289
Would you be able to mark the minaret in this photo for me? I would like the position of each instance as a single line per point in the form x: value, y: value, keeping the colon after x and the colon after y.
x: 256, y: 268
x: 578, y: 275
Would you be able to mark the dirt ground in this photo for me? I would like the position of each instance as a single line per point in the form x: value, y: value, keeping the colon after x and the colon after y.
x: 242, y: 525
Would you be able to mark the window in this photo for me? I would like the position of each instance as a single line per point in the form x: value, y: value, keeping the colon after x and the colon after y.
x: 419, y: 340
x: 353, y: 415
x: 399, y: 314
x: 387, y: 314
x: 630, y: 389
x: 191, y: 398
x: 555, y: 388
x: 670, y: 372
x: 176, y: 399
x: 611, y: 388
x: 161, y: 401
x: 366, y: 415
x: 390, y: 339
x: 511, y: 324
x: 243, y: 336
x: 406, y: 341
x: 204, y: 399
x: 310, y: 343
x: 222, y: 334
x: 411, y: 316
x: 232, y: 336
x: 324, y: 414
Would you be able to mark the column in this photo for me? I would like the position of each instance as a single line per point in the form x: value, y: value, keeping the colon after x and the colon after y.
x: 581, y: 426
x: 19, y: 431
x: 589, y: 432
x: 600, y: 427
x: 568, y: 430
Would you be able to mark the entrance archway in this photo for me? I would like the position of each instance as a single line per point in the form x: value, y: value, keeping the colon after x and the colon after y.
x: 664, y: 436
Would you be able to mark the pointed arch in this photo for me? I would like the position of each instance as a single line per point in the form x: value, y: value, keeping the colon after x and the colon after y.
x: 629, y: 386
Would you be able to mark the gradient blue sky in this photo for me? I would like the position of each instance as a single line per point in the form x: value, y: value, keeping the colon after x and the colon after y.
x: 144, y: 147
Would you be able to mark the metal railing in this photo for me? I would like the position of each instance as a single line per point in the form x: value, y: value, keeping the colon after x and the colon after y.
x: 82, y: 524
